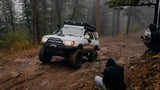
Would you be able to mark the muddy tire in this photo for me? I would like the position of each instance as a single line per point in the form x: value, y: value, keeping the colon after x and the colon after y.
x: 76, y: 59
x: 92, y: 56
x: 44, y: 56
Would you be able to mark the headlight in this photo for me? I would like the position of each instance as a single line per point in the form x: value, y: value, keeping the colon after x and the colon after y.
x: 69, y: 43
x: 44, y: 39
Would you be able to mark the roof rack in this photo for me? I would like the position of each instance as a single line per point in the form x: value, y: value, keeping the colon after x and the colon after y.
x: 87, y: 26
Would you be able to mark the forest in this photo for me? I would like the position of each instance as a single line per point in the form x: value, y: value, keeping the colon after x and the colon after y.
x: 26, y: 21
x: 36, y: 55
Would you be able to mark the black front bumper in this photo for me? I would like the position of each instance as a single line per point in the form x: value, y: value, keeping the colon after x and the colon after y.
x: 56, y: 47
x: 60, y: 50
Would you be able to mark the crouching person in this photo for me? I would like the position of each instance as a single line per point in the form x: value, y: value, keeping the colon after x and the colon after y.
x: 113, y: 77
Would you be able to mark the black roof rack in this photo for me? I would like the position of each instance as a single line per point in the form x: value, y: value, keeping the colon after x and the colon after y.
x: 87, y: 26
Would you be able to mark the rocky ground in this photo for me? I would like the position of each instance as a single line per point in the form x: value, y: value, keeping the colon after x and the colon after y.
x: 25, y: 71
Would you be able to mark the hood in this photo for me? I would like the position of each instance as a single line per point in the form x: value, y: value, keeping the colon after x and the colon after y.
x: 64, y: 38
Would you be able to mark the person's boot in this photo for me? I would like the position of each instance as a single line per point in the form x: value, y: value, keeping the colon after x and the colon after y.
x: 157, y: 56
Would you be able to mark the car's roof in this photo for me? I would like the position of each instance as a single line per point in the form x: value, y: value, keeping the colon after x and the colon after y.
x: 86, y: 26
x: 66, y: 25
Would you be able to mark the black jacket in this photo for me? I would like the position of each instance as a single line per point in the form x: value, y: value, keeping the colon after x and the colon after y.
x: 113, y: 76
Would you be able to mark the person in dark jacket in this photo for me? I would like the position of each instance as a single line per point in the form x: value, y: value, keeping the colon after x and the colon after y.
x: 154, y: 42
x: 113, y: 77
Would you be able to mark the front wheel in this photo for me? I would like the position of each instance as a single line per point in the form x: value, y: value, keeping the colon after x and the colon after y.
x: 44, y: 56
x: 76, y: 59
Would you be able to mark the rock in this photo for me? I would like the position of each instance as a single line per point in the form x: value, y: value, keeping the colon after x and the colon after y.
x: 132, y: 57
x: 14, y: 74
x: 154, y: 66
x: 132, y: 67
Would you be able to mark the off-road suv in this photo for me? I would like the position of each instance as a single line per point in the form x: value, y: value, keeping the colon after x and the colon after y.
x: 73, y: 41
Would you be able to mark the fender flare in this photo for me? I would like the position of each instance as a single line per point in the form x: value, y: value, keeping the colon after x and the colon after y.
x: 80, y: 47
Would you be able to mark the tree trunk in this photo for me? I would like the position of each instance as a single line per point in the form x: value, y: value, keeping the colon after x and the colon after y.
x: 27, y: 17
x: 74, y: 10
x: 53, y: 16
x: 36, y: 20
x: 4, y: 12
x: 58, y: 12
x: 12, y: 17
x: 37, y: 25
x: 156, y: 13
x: 113, y: 22
x: 45, y: 15
x: 93, y: 14
x: 98, y: 16
x: 118, y: 21
x: 128, y: 22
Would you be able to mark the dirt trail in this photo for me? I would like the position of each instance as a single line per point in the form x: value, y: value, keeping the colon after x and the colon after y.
x: 27, y: 72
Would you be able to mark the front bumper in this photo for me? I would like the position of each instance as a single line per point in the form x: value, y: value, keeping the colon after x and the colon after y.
x: 59, y: 50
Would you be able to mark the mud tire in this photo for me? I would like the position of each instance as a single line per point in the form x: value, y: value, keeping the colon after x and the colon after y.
x: 44, y: 56
x: 76, y: 59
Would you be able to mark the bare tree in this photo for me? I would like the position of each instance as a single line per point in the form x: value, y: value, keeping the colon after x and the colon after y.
x: 128, y: 22
x: 113, y: 22
x: 52, y: 13
x: 58, y: 9
x: 74, y: 9
x: 27, y: 14
x: 4, y: 13
x: 36, y: 27
x: 118, y: 21
x: 98, y: 16
x: 9, y: 13
x: 44, y: 14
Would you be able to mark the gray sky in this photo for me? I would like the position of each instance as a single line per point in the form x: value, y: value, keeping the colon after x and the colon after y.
x: 18, y: 7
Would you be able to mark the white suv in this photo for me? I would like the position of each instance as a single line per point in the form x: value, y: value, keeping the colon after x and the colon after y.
x: 73, y: 41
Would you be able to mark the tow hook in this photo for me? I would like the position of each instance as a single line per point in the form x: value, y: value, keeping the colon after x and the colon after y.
x: 52, y: 45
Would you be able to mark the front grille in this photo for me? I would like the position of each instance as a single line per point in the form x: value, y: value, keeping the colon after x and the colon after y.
x: 55, y: 41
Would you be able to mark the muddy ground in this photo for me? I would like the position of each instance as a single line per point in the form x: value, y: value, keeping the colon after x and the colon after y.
x: 25, y: 71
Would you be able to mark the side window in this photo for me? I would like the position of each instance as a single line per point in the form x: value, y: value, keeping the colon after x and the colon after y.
x: 91, y: 35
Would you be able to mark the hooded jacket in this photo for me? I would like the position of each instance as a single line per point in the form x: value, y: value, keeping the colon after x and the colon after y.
x: 113, y: 76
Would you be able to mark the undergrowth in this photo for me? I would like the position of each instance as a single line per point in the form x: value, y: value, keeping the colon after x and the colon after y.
x: 16, y: 42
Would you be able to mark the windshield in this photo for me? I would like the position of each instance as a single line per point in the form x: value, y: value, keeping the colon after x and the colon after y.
x: 72, y: 31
